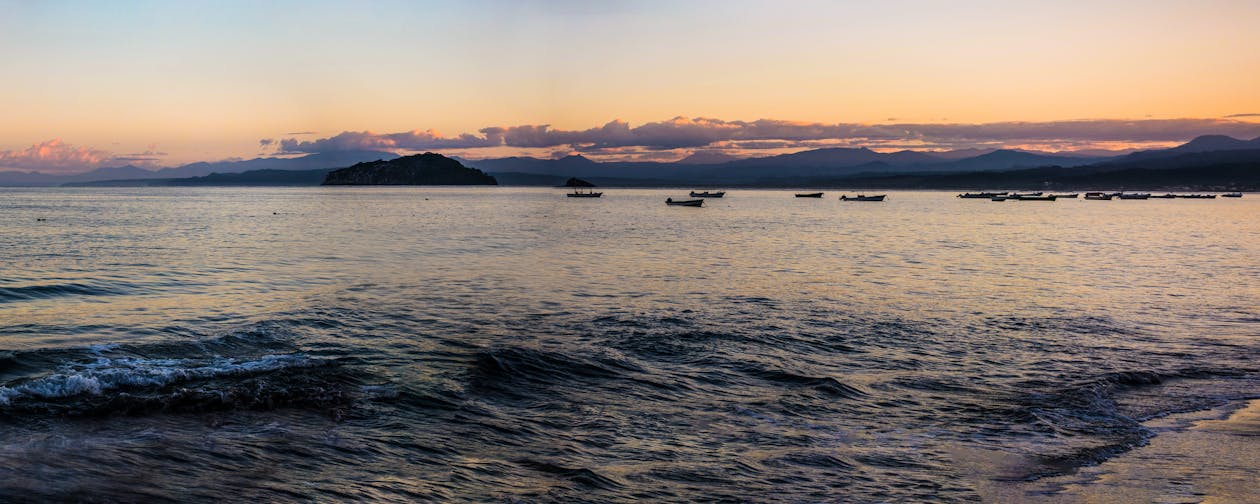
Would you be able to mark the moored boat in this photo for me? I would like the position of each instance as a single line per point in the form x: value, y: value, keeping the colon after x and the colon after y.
x: 1164, y: 196
x: 1034, y: 198
x: 588, y: 194
x: 863, y: 197
x: 1197, y: 196
x: 1097, y: 196
x: 809, y: 195
x: 981, y: 195
x: 1135, y: 195
x: 690, y: 203
x: 707, y: 194
x: 1232, y: 195
x: 1066, y: 195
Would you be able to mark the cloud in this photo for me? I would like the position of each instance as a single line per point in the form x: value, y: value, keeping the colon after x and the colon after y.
x: 147, y: 157
x: 54, y: 156
x: 367, y: 140
x: 702, y: 132
x: 58, y: 157
x: 1243, y: 115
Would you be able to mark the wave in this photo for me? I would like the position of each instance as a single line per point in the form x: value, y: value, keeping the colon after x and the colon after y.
x: 45, y: 291
x: 257, y: 368
x: 825, y: 384
x: 1085, y: 422
x: 107, y: 374
x: 507, y: 367
x: 1086, y: 325
x: 582, y: 476
x: 516, y: 373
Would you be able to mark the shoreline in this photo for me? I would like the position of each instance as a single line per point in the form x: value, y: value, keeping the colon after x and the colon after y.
x: 1206, y: 456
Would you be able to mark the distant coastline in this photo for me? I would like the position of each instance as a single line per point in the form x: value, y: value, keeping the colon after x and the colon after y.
x: 1224, y: 177
x: 1207, y: 163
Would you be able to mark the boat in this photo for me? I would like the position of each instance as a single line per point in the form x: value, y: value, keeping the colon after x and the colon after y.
x: 1197, y: 196
x: 707, y: 194
x: 1232, y: 195
x: 588, y: 194
x: 1066, y: 195
x: 863, y: 197
x: 1000, y: 198
x: 1034, y: 198
x: 1135, y: 195
x: 1165, y: 196
x: 1097, y: 196
x: 1023, y: 195
x: 809, y: 195
x: 692, y: 203
x: 981, y: 195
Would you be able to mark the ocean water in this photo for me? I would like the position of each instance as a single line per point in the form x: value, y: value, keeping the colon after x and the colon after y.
x: 511, y: 344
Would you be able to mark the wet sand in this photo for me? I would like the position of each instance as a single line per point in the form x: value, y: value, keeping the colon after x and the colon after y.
x: 1205, y: 457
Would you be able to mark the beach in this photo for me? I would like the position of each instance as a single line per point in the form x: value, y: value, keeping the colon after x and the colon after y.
x: 1206, y: 457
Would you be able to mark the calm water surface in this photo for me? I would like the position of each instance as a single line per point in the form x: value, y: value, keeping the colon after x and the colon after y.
x: 473, y: 344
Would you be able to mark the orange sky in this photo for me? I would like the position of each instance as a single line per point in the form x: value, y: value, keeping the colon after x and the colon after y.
x: 208, y: 81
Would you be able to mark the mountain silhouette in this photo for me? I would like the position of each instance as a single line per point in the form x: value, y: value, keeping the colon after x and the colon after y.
x: 810, y: 165
x: 1205, y: 143
x: 327, y: 160
x: 706, y: 157
x: 1007, y: 159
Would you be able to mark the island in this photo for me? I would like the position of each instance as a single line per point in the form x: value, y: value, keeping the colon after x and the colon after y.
x: 421, y: 169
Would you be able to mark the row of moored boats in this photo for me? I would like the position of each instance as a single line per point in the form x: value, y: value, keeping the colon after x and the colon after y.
x: 698, y: 197
x: 1040, y: 196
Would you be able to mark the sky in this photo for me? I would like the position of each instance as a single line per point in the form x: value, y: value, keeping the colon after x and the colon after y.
x: 163, y: 83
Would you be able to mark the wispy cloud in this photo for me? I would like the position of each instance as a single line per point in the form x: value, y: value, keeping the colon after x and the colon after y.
x: 1243, y: 115
x: 619, y: 137
x: 148, y: 156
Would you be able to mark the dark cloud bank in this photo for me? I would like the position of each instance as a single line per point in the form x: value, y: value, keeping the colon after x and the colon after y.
x: 688, y: 133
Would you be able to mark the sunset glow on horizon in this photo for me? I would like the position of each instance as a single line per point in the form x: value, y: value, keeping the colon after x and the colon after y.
x: 162, y: 84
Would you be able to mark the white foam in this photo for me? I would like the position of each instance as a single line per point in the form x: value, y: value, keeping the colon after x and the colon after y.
x: 106, y: 374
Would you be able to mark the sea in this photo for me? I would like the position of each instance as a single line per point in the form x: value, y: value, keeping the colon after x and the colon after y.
x: 501, y: 344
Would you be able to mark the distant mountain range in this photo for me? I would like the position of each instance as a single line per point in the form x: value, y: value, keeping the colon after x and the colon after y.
x: 817, y: 167
x: 324, y: 161
x: 829, y: 162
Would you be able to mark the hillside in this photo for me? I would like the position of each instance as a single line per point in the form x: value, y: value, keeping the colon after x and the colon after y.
x: 420, y: 169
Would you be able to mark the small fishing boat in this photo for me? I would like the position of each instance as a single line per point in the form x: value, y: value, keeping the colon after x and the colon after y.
x: 1023, y: 195
x: 1135, y: 195
x: 1164, y: 196
x: 809, y: 195
x: 1002, y: 197
x: 981, y: 195
x: 1097, y: 196
x: 863, y: 197
x: 588, y: 194
x: 691, y: 203
x: 1197, y: 196
x: 1066, y: 195
x: 1035, y: 198
x: 1232, y: 195
x: 707, y: 194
